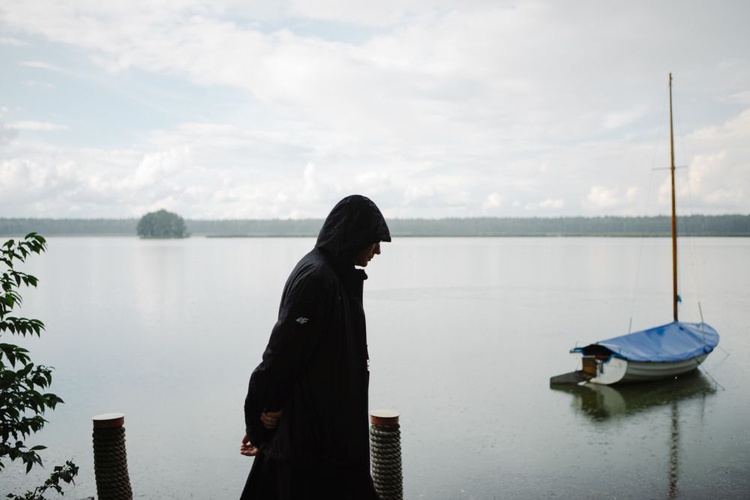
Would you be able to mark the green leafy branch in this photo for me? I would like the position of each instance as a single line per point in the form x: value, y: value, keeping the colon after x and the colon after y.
x: 23, y: 400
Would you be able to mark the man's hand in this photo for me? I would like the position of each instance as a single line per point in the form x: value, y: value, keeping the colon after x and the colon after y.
x: 247, y: 448
x: 270, y: 419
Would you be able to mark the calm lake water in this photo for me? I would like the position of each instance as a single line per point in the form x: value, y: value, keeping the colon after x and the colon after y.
x: 464, y: 335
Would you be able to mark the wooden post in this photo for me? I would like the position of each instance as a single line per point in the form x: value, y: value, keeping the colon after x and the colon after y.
x: 110, y: 457
x: 385, y: 449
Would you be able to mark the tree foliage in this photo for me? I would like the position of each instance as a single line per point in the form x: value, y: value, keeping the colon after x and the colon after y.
x: 162, y: 224
x: 23, y: 400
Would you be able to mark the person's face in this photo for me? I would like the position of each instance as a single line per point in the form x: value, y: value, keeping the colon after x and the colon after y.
x: 366, y: 254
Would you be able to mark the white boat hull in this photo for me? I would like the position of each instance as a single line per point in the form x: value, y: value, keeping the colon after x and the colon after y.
x: 617, y: 370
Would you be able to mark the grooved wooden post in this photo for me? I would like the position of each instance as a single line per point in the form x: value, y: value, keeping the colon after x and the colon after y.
x: 385, y: 448
x: 110, y: 457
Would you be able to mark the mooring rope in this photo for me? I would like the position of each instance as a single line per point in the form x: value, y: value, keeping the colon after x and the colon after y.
x: 110, y: 461
x: 385, y: 450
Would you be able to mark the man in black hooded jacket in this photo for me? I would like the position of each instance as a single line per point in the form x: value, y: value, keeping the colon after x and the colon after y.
x: 307, y: 403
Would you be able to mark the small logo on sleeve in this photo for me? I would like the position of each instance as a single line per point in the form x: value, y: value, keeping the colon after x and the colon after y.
x: 301, y: 320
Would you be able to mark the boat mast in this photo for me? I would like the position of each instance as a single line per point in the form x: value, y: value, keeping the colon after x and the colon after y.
x: 675, y: 296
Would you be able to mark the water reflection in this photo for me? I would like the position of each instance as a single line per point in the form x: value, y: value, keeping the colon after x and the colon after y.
x: 674, y: 451
x: 603, y: 402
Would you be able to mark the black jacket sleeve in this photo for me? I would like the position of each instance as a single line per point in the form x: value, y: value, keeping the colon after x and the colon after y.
x: 294, y: 337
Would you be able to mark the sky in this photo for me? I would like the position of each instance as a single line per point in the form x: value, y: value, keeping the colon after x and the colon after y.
x: 245, y: 109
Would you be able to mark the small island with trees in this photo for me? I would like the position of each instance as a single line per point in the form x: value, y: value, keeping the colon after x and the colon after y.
x: 162, y: 224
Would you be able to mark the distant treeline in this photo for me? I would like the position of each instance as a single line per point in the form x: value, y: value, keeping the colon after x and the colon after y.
x: 690, y: 225
x: 695, y: 225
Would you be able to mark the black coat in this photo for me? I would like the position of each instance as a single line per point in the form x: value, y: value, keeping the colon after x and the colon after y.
x: 315, y: 367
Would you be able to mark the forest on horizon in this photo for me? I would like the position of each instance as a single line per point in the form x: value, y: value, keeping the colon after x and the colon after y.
x: 690, y: 225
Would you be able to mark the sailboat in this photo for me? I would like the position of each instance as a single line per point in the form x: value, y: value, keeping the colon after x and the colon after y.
x: 663, y: 351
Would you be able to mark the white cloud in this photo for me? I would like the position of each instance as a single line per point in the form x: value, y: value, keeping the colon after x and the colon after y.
x: 223, y: 109
x: 7, y: 133
x: 712, y: 184
x: 36, y: 126
x: 39, y: 65
x: 157, y: 168
x: 632, y: 194
x: 11, y: 41
x: 315, y: 187
x: 717, y: 179
x: 552, y: 203
x: 619, y: 119
x: 416, y: 194
x: 493, y: 201
x: 602, y: 197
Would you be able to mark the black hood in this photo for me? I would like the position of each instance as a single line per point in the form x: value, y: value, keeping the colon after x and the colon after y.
x: 354, y: 223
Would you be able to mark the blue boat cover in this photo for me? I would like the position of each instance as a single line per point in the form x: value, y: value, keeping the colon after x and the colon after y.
x: 675, y: 341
